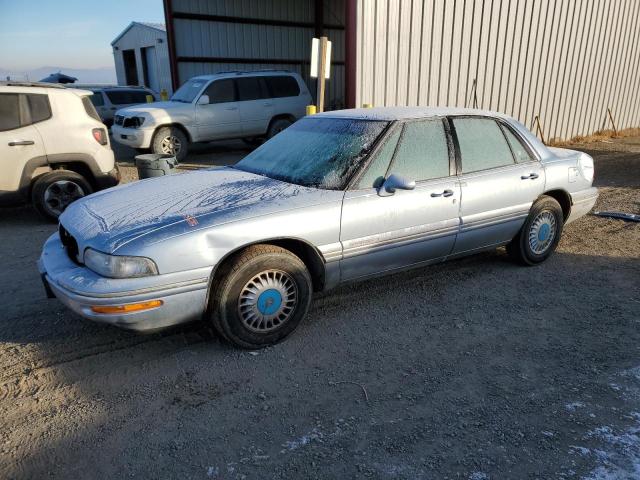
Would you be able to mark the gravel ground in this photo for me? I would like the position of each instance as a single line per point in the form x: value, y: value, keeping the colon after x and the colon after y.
x: 473, y: 369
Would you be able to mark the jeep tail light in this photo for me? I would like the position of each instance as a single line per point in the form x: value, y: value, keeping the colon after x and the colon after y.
x: 100, y: 134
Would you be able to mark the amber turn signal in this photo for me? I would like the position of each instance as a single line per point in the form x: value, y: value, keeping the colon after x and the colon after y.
x: 127, y: 308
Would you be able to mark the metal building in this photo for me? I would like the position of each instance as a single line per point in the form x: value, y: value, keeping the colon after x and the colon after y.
x: 141, y: 56
x: 560, y: 65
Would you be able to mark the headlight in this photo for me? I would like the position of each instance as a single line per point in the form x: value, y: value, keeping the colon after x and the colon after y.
x: 133, y: 122
x: 585, y: 162
x: 119, y: 266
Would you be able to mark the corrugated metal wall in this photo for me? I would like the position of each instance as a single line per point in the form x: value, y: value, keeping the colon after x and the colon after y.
x: 137, y: 37
x: 207, y: 45
x: 565, y: 61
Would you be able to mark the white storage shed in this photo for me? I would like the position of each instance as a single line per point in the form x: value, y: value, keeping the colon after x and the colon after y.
x: 141, y: 56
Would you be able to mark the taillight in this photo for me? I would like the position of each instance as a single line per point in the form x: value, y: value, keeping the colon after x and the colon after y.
x: 100, y: 135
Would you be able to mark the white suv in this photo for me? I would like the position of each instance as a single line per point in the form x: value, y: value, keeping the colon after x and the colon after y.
x: 248, y: 105
x: 53, y: 146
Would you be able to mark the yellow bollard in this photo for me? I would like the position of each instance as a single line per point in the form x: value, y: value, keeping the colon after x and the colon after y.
x: 164, y: 96
x: 311, y: 110
x: 367, y: 105
x: 149, y: 98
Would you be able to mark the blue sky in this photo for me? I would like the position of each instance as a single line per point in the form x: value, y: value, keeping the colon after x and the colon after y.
x: 67, y: 33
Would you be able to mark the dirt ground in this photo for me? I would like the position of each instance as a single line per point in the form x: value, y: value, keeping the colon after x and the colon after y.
x: 474, y: 369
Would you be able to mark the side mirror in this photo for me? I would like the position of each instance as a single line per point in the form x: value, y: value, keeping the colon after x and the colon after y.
x: 203, y: 100
x: 395, y: 182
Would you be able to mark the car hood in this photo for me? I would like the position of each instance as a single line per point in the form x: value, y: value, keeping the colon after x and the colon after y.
x: 154, y: 109
x: 159, y: 208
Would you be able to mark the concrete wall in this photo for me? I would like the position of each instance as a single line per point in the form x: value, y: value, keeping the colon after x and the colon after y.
x: 138, y: 37
x: 565, y: 61
x: 221, y: 35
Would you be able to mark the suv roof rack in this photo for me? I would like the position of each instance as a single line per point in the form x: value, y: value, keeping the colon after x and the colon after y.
x: 11, y: 83
x: 249, y: 72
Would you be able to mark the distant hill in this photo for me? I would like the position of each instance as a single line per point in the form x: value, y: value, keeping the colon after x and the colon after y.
x: 84, y: 75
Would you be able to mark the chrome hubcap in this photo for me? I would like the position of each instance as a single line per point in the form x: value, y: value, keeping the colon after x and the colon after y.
x: 60, y: 194
x: 171, y: 145
x: 267, y: 301
x: 542, y: 232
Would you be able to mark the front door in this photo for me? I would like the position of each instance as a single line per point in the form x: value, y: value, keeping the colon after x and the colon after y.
x: 220, y: 118
x: 409, y: 227
x: 19, y: 142
x: 500, y: 181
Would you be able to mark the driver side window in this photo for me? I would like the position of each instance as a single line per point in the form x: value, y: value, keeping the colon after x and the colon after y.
x: 221, y: 91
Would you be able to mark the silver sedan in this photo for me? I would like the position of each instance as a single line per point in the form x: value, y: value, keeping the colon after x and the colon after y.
x: 337, y: 197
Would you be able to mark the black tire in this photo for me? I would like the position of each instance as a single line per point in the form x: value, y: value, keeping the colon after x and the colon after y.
x: 276, y: 126
x: 170, y: 141
x: 540, y: 234
x: 53, y: 192
x: 248, y: 326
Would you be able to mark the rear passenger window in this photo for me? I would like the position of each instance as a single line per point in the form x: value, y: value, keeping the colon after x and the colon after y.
x: 374, y: 176
x: 482, y: 144
x: 90, y: 109
x: 221, y: 91
x: 9, y: 111
x: 519, y: 152
x: 423, y: 153
x: 283, y: 86
x: 39, y: 107
x: 252, y: 88
x: 126, y: 97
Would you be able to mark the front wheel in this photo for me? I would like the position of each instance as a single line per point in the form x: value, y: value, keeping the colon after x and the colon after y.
x: 170, y: 141
x: 260, y: 296
x: 540, y: 234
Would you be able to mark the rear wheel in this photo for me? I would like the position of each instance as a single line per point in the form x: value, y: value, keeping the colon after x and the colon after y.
x: 540, y: 234
x: 170, y: 141
x: 53, y: 192
x: 260, y: 296
x: 277, y: 126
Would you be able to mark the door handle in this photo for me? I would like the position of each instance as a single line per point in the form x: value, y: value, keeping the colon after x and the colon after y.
x: 446, y: 193
x: 231, y: 108
x: 21, y: 142
x: 268, y: 104
x: 531, y: 176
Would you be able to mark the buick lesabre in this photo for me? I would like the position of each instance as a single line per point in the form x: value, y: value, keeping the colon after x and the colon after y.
x: 336, y: 197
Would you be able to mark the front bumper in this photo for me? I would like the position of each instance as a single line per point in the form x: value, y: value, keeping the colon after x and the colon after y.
x: 132, y: 137
x: 183, y: 294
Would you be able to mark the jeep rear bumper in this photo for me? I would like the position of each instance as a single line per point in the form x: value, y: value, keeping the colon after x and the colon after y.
x: 109, y: 179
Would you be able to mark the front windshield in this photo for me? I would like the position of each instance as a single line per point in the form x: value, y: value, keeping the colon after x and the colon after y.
x: 315, y: 152
x: 188, y: 91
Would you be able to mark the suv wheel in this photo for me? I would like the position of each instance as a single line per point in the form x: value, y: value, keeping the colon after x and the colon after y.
x: 53, y: 192
x: 261, y: 296
x: 277, y: 126
x: 170, y: 141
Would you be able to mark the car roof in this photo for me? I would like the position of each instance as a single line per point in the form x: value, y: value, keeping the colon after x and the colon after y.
x: 239, y: 73
x: 31, y: 84
x: 407, y: 113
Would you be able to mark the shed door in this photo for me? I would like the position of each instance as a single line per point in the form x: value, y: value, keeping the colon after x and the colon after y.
x: 150, y: 68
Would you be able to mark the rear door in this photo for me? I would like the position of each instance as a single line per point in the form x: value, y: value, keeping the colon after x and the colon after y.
x: 410, y: 227
x: 286, y: 95
x: 20, y: 141
x: 497, y: 190
x: 220, y: 118
x: 254, y: 105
